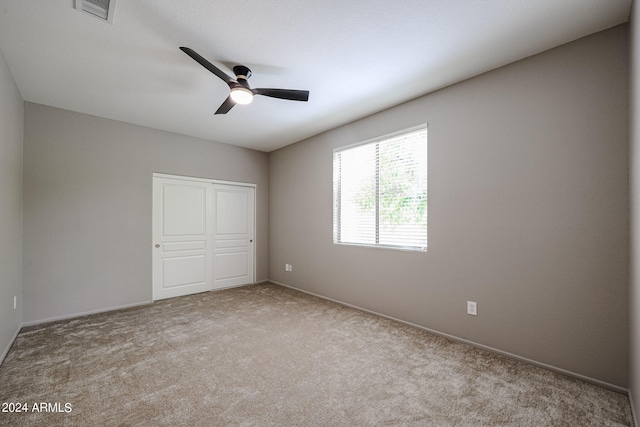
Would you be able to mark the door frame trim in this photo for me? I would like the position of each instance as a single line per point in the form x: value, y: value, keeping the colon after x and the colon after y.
x: 213, y: 181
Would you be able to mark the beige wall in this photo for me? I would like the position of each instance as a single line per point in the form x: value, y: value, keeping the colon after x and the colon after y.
x: 528, y: 212
x: 11, y: 125
x: 87, y: 206
x: 634, y: 163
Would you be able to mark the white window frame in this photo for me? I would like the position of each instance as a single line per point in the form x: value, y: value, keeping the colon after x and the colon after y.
x: 337, y: 215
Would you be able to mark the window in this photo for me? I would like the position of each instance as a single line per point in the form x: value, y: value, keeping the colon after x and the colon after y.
x: 380, y: 192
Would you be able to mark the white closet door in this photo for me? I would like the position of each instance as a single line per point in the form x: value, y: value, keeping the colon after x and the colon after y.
x: 233, y: 235
x: 182, y: 227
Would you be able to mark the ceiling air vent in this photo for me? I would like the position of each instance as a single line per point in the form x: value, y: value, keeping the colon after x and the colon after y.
x: 102, y: 9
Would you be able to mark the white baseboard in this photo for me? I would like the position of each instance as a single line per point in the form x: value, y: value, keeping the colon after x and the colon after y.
x: 84, y: 313
x: 11, y: 341
x: 570, y: 374
x: 120, y: 307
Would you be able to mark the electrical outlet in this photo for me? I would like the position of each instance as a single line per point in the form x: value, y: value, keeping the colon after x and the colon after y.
x: 472, y: 308
x: 15, y: 302
x: 288, y: 267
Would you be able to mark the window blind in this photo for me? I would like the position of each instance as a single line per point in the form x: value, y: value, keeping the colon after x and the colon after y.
x: 380, y: 192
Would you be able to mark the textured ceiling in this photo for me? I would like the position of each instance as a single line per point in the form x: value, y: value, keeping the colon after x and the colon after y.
x: 356, y: 57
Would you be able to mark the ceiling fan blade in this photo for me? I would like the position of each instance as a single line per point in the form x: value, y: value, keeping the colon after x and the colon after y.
x: 290, y: 94
x: 208, y: 65
x: 226, y: 106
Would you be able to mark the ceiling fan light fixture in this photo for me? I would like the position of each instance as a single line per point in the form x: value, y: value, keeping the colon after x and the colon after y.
x: 241, y: 95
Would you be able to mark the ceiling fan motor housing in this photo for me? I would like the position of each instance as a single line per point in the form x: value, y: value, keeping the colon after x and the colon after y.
x: 242, y: 73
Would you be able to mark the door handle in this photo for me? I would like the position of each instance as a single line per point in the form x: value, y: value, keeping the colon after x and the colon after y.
x: 251, y: 241
x: 157, y: 245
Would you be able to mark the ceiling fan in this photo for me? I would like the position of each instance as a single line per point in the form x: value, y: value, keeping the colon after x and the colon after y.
x: 241, y: 93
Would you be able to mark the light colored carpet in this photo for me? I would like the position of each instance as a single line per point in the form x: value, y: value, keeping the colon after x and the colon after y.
x: 264, y: 355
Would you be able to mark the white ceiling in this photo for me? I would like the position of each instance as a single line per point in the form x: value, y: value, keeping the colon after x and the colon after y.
x: 356, y: 57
